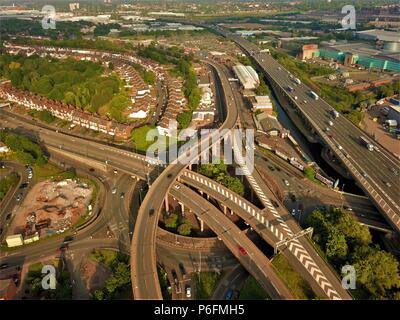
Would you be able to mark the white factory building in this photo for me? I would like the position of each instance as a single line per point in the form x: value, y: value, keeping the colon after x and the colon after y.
x: 262, y: 103
x: 247, y: 76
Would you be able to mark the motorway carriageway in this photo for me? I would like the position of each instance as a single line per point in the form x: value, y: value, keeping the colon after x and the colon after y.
x: 377, y: 165
x: 255, y: 262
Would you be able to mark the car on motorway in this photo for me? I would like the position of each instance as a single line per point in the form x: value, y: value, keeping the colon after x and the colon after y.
x: 229, y: 295
x: 114, y: 190
x: 275, y: 204
x: 388, y: 184
x: 330, y: 123
x: 293, y: 212
x: 3, y: 265
x: 1, y: 231
x: 30, y: 175
x: 24, y: 185
x: 169, y: 175
x: 347, y: 208
x: 182, y: 268
x: 151, y: 212
x: 68, y: 239
x: 295, y: 98
x: 271, y: 168
x: 188, y: 292
x: 177, y: 186
x: 365, y: 175
x: 287, y: 184
x: 242, y: 251
x: 115, y: 171
x: 122, y: 195
x: 63, y: 247
x: 340, y: 147
x: 304, y: 101
x: 175, y: 276
x: 8, y: 217
x: 18, y: 197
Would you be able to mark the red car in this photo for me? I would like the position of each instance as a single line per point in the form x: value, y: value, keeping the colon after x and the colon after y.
x: 243, y: 251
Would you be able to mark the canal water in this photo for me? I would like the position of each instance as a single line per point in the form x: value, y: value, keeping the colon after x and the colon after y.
x: 313, y: 151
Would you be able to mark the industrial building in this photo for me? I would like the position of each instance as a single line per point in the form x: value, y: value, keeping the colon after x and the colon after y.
x: 262, y: 103
x: 247, y: 76
x: 361, y: 54
x: 390, y: 39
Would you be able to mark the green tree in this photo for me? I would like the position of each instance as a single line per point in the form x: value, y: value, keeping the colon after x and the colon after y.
x: 185, y: 229
x: 184, y: 119
x: 171, y: 222
x: 336, y: 246
x: 377, y: 271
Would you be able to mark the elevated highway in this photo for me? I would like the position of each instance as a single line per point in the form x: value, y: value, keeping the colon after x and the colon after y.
x: 274, y: 226
x: 372, y: 170
x: 145, y: 280
x: 255, y: 262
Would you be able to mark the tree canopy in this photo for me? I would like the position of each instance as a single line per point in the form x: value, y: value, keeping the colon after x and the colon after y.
x: 345, y: 241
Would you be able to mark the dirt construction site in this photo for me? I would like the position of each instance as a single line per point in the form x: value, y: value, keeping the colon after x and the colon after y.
x: 52, y: 207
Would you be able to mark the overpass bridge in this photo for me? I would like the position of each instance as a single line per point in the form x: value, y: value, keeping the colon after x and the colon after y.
x: 255, y: 262
x: 273, y: 227
x: 374, y: 171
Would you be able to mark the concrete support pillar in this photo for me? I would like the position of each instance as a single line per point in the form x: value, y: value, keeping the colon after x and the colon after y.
x: 224, y: 209
x: 231, y: 212
x: 182, y: 208
x: 201, y: 192
x: 201, y: 225
x: 208, y: 197
x: 166, y: 203
x: 190, y: 166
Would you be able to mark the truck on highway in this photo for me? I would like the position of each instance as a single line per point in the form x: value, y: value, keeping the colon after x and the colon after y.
x: 297, y: 80
x: 314, y: 95
x: 366, y: 143
x: 335, y: 114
